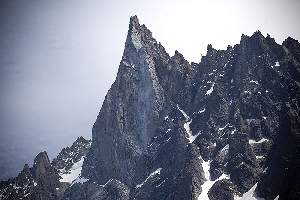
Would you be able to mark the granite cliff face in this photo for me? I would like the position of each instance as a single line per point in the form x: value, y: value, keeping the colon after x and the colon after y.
x: 225, y: 128
x: 168, y: 129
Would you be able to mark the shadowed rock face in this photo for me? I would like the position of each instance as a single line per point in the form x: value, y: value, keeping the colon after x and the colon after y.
x: 170, y: 130
x: 131, y: 110
x: 230, y: 105
x: 42, y: 180
x: 39, y: 182
x: 134, y: 116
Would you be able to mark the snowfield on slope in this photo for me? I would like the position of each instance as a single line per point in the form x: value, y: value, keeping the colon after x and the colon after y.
x: 208, y: 183
x: 73, y: 173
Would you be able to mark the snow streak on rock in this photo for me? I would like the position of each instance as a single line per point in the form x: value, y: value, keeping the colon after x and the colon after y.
x: 156, y: 172
x: 210, y: 90
x: 201, y: 111
x: 187, y: 128
x: 208, y: 183
x: 257, y: 142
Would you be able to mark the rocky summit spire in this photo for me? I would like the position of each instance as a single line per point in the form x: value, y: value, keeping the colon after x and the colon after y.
x: 41, y: 164
x: 119, y: 137
x: 134, y: 34
x: 134, y: 22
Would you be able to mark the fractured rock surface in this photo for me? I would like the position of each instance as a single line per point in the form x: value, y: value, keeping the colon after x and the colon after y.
x: 225, y: 128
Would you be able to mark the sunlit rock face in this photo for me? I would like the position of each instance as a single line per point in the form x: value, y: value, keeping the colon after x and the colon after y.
x: 224, y: 128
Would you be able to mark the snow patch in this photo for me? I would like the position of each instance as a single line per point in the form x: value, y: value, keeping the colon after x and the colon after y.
x: 156, y: 172
x: 73, y: 173
x: 187, y: 128
x: 210, y: 90
x: 225, y: 64
x: 161, y: 183
x: 183, y: 113
x: 252, y: 81
x: 224, y: 150
x: 259, y: 157
x: 80, y: 180
x: 221, y: 129
x: 258, y: 142
x: 208, y: 183
x: 201, y: 111
x: 110, y: 180
x: 233, y: 131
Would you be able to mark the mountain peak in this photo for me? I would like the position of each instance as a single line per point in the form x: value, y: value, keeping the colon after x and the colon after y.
x: 180, y: 60
x: 168, y: 129
x: 41, y: 164
x: 81, y: 140
x: 42, y: 157
x: 26, y: 167
x: 139, y: 35
x: 134, y: 21
x: 178, y: 55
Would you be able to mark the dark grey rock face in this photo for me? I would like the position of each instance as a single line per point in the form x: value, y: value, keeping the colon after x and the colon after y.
x: 164, y: 113
x: 169, y: 129
x: 283, y: 171
x: 112, y: 190
x: 39, y: 182
x: 232, y: 102
x: 140, y: 129
x: 131, y: 110
x: 42, y: 180
x: 222, y: 189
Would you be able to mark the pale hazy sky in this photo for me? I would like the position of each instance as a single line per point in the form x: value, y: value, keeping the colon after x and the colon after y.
x: 58, y: 58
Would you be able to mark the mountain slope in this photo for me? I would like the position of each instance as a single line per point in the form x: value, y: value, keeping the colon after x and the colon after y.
x: 224, y: 128
x: 218, y: 120
x: 45, y: 180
